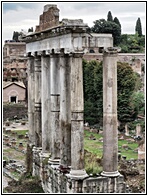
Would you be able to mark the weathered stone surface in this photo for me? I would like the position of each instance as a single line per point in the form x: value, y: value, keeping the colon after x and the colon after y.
x: 65, y: 110
x: 110, y: 134
x: 46, y: 129
x: 38, y: 118
x: 55, y: 106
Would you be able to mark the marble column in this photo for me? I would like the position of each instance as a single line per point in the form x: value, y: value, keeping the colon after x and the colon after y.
x: 110, y: 132
x: 31, y: 98
x: 46, y: 133
x: 38, y: 123
x: 55, y: 107
x: 65, y: 110
x: 77, y: 119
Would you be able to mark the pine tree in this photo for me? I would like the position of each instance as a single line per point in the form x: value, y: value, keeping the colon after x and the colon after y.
x: 109, y: 16
x: 138, y: 27
x: 30, y: 29
x: 117, y: 21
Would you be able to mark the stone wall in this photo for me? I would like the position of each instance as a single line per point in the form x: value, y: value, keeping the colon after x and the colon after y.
x: 19, y: 110
x: 136, y: 60
x: 14, y: 61
x: 56, y: 180
x: 14, y: 49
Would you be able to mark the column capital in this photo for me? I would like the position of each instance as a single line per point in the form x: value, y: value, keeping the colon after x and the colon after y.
x: 38, y: 54
x: 77, y: 55
x: 46, y: 53
x: 30, y: 54
x: 111, y: 50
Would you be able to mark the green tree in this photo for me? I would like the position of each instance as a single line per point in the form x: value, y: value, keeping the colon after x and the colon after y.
x: 90, y: 104
x: 103, y: 26
x: 126, y: 81
x: 93, y: 92
x: 117, y: 21
x: 109, y: 16
x: 30, y: 29
x: 138, y: 27
x: 138, y: 101
x: 131, y: 43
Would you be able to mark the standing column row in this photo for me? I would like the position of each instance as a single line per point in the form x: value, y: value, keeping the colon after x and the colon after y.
x: 59, y: 124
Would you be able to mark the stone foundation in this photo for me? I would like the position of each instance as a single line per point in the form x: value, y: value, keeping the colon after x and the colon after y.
x: 54, y: 180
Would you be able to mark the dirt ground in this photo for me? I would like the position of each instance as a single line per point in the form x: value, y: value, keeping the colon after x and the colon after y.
x: 133, y: 178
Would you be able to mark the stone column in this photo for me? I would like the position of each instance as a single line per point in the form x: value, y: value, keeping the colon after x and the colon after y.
x: 46, y: 134
x: 77, y: 124
x: 31, y: 91
x: 38, y: 131
x: 126, y: 130
x: 138, y: 130
x: 65, y: 110
x: 55, y: 107
x: 110, y: 133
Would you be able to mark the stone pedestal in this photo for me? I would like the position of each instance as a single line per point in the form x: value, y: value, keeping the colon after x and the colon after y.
x: 110, y: 133
x: 46, y: 130
x: 77, y: 124
x: 138, y: 130
x: 38, y: 124
x: 36, y: 161
x: 65, y: 110
x: 126, y: 130
x: 21, y: 146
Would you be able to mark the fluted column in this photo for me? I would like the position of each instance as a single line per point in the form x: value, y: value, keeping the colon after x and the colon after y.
x: 55, y: 107
x: 31, y: 98
x: 65, y: 110
x: 38, y: 123
x: 46, y: 132
x: 77, y: 119
x: 110, y: 133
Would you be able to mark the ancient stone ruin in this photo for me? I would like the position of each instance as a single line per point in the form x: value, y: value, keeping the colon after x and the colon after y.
x: 56, y: 106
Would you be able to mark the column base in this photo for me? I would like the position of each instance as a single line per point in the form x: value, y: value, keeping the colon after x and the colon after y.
x: 45, y: 154
x: 110, y: 174
x: 77, y: 174
x: 54, y: 161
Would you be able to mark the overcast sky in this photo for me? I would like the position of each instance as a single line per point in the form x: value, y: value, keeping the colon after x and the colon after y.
x: 24, y: 15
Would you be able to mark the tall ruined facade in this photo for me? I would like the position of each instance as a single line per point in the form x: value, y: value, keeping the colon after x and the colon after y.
x: 56, y: 108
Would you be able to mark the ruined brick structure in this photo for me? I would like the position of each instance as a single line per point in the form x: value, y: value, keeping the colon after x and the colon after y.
x: 14, y: 61
x: 49, y: 18
x: 56, y: 107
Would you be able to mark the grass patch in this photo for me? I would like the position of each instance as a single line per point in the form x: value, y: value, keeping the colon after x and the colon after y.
x: 20, y: 132
x: 10, y: 153
x: 96, y: 147
x: 26, y: 184
x: 93, y: 146
x: 15, y: 174
x: 93, y: 165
